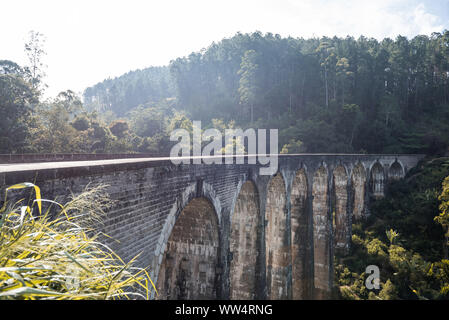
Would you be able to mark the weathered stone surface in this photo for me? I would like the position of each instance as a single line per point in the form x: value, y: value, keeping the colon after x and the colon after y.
x: 340, y: 196
x: 191, y: 256
x: 278, y: 251
x: 300, y: 236
x: 358, y: 180
x: 321, y: 233
x: 243, y: 243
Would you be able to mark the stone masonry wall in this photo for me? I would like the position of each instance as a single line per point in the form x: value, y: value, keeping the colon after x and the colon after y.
x: 243, y: 244
x: 277, y: 247
x: 188, y: 268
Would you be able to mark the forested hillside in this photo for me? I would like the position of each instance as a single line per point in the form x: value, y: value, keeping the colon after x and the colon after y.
x: 405, y: 237
x: 324, y: 95
x: 130, y: 90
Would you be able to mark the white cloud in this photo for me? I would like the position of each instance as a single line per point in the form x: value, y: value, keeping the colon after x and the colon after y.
x: 378, y: 19
x: 424, y: 22
x: 88, y: 41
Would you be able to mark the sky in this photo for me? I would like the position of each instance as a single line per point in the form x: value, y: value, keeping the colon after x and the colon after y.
x: 88, y: 41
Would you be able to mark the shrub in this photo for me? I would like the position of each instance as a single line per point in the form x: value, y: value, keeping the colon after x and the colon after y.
x: 46, y: 256
x: 119, y: 128
x: 389, y: 291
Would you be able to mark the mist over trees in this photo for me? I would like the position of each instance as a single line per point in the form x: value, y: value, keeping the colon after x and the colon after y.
x: 121, y: 94
x: 323, y: 94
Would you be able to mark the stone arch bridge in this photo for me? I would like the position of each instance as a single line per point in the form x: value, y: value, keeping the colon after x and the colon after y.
x: 211, y: 231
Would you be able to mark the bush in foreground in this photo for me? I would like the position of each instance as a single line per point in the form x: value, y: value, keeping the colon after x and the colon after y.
x: 58, y: 256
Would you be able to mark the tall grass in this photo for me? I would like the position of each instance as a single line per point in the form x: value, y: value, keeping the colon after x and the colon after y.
x: 57, y: 255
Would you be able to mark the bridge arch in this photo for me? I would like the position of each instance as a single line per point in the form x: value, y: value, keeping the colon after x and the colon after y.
x: 321, y: 233
x: 339, y: 212
x: 243, y: 243
x: 358, y: 181
x: 396, y: 171
x: 192, y: 191
x: 191, y: 255
x: 377, y: 179
x: 276, y: 242
x: 299, y: 235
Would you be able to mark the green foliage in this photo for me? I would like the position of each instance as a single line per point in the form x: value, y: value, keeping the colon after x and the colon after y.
x: 391, y: 235
x: 59, y: 255
x: 410, y: 209
x: 440, y: 271
x: 402, y: 239
x: 81, y: 122
x: 148, y: 121
x: 248, y: 76
x: 16, y: 100
x: 180, y: 121
x: 443, y: 217
x: 35, y: 71
x: 388, y: 292
x: 332, y: 94
x: 337, y: 95
x: 119, y: 128
x: 376, y: 248
x: 130, y: 90
x: 294, y: 146
x: 51, y: 130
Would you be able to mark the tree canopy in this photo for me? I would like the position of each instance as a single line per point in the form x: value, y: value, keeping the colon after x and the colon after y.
x: 325, y: 94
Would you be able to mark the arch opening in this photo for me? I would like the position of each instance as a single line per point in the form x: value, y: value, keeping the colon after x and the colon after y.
x: 188, y: 269
x: 321, y: 234
x: 276, y: 242
x: 243, y: 244
x: 396, y: 171
x: 377, y: 180
x: 299, y: 236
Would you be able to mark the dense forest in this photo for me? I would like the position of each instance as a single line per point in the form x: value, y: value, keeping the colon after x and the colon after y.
x: 130, y: 90
x: 323, y: 94
x: 405, y: 237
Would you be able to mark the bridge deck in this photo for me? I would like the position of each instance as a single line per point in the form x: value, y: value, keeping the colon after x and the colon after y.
x: 11, y: 167
x: 30, y: 162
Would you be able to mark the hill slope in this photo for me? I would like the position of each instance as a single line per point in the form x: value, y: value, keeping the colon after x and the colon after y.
x: 123, y: 93
x: 402, y: 238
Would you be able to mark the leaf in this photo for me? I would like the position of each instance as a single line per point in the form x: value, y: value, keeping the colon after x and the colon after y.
x: 28, y: 290
x: 26, y: 185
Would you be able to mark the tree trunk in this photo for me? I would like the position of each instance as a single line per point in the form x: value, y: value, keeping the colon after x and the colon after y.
x: 325, y: 81
x: 335, y: 88
x: 290, y: 103
x: 252, y: 111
